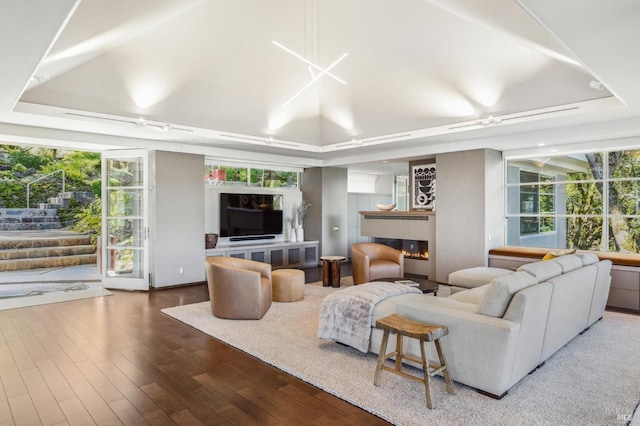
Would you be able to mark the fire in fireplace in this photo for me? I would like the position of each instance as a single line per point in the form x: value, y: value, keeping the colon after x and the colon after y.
x: 412, y: 249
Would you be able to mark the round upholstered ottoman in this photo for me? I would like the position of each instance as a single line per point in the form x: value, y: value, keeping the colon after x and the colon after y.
x: 287, y: 285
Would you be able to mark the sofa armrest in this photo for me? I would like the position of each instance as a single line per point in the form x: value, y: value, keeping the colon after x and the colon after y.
x: 360, y: 265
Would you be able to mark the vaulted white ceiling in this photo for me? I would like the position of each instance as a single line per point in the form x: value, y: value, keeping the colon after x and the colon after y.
x: 422, y: 76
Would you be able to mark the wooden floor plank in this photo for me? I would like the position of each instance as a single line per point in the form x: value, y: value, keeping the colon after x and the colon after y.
x: 127, y: 413
x: 96, y: 406
x: 13, y: 384
x: 56, y: 382
x: 6, y: 418
x: 23, y: 411
x: 76, y: 413
x: 42, y: 398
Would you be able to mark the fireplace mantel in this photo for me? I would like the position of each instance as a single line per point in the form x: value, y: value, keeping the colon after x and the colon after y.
x: 398, y: 213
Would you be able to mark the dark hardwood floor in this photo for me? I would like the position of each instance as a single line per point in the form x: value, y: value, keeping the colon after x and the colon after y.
x: 119, y: 360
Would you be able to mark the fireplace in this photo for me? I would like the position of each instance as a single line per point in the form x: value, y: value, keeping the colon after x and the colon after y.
x: 413, y: 233
x: 412, y: 249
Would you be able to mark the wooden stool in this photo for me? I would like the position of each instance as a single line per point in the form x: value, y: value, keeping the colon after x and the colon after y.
x: 423, y: 332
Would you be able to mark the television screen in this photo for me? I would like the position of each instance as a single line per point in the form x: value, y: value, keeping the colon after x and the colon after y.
x: 250, y: 214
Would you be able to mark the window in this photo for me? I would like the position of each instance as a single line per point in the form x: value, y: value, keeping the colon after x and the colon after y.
x: 537, y: 199
x: 225, y: 175
x: 589, y: 201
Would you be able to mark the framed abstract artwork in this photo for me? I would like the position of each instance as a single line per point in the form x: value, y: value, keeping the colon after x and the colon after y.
x: 424, y: 186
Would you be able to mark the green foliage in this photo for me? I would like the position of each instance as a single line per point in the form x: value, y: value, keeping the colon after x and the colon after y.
x: 96, y: 187
x: 28, y: 157
x: 88, y: 220
x: 80, y: 169
x: 19, y: 168
x: 13, y: 195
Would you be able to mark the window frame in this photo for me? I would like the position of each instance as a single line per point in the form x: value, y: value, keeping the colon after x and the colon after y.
x: 601, y: 212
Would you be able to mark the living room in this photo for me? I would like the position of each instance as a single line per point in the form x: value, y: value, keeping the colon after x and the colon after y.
x: 329, y: 91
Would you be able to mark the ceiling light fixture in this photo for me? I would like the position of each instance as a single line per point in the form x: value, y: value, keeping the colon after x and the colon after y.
x: 311, y: 66
x: 314, y: 79
x: 308, y: 62
x: 489, y: 121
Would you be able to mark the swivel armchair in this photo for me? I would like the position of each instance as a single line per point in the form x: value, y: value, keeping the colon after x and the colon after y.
x: 370, y: 261
x: 238, y: 288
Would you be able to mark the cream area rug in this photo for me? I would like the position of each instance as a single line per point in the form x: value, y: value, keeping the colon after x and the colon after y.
x: 13, y: 296
x: 595, y: 379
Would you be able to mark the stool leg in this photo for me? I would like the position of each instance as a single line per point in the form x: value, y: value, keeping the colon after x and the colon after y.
x: 445, y: 371
x: 399, y: 353
x: 381, y: 358
x: 427, y: 374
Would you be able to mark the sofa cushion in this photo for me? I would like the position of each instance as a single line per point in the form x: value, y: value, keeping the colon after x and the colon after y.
x: 542, y: 271
x: 474, y: 295
x: 475, y: 277
x: 568, y: 263
x: 588, y: 258
x: 500, y: 292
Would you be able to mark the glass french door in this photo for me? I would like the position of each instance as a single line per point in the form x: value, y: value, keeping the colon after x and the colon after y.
x: 125, y: 228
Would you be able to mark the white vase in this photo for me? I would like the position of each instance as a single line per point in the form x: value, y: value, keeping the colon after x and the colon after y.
x: 300, y: 233
x: 292, y: 234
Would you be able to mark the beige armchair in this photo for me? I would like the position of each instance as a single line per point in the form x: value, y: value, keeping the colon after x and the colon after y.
x: 370, y: 261
x: 238, y: 288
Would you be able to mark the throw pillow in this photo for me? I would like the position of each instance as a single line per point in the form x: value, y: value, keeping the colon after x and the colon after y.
x: 557, y: 253
x: 501, y: 291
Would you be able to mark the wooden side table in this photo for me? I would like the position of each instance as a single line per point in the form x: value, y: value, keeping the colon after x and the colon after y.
x: 331, y: 270
x: 424, y: 333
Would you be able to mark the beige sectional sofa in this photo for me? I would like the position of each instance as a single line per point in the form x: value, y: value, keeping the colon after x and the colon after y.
x: 501, y: 331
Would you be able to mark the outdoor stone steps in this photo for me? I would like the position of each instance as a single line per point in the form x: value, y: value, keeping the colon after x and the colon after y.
x: 36, y: 252
x: 44, y: 241
x: 23, y: 251
x: 47, y: 262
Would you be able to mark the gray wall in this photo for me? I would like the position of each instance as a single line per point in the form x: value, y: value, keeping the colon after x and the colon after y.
x: 326, y: 190
x: 177, y: 218
x: 469, y: 209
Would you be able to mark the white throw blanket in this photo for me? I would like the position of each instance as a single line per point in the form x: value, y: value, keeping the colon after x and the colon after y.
x: 345, y: 315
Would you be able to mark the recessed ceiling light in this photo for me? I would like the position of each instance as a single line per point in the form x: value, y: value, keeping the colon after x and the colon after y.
x: 596, y: 85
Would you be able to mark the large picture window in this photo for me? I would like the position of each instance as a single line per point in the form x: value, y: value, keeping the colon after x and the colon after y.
x: 226, y: 175
x: 587, y: 201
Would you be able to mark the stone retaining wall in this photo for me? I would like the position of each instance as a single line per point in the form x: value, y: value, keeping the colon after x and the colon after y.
x: 29, y: 219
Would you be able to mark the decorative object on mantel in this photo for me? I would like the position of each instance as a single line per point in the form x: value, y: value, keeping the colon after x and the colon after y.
x: 301, y: 211
x: 386, y: 208
x: 424, y: 186
x: 210, y: 241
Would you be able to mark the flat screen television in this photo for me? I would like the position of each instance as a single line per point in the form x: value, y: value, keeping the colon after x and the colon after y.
x: 247, y: 215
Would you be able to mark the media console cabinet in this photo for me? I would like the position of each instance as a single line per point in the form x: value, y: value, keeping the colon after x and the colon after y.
x: 301, y: 254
